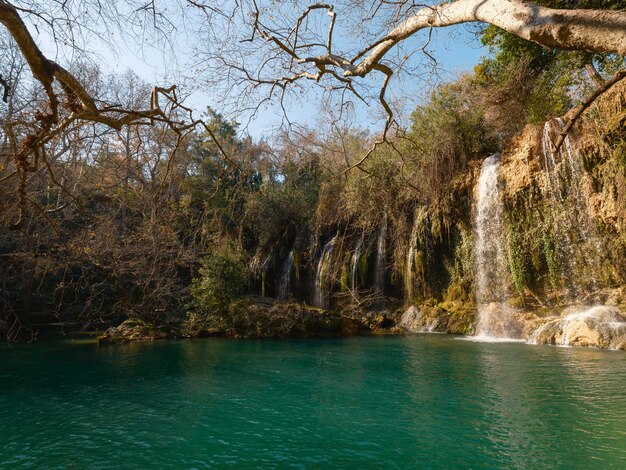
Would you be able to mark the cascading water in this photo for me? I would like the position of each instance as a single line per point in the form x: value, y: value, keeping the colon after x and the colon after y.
x: 577, y: 325
x: 579, y: 253
x: 284, y: 289
x: 577, y: 246
x: 381, y: 255
x: 419, y: 252
x: 355, y: 262
x: 410, y: 259
x: 494, y: 315
x: 321, y: 276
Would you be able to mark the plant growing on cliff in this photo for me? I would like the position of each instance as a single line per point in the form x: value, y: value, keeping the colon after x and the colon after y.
x: 518, y: 260
x: 551, y: 256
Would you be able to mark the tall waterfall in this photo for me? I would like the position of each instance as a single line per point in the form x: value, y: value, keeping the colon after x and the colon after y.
x: 284, y: 289
x: 381, y: 256
x: 355, y: 261
x: 321, y: 276
x: 494, y: 315
x: 577, y: 246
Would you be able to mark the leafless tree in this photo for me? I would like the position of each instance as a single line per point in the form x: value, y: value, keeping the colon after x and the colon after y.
x: 353, y: 49
x: 250, y: 46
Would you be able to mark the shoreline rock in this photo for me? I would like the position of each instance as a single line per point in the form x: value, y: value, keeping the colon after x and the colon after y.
x: 599, y: 326
x: 135, y: 330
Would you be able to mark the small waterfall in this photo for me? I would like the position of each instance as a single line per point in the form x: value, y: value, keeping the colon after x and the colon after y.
x: 355, y: 262
x: 321, y: 276
x: 578, y: 248
x: 381, y: 256
x: 419, y: 253
x: 494, y: 315
x: 410, y: 258
x: 284, y: 289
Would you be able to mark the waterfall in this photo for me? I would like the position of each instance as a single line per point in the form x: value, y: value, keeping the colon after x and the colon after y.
x: 321, y: 276
x: 355, y: 261
x: 494, y: 315
x: 284, y: 289
x: 577, y: 246
x: 410, y: 259
x: 381, y: 256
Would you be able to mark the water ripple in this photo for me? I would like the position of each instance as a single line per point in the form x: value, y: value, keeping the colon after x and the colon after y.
x: 420, y: 401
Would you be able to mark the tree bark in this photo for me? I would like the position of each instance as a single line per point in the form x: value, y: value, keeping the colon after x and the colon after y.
x: 586, y: 30
x: 594, y: 75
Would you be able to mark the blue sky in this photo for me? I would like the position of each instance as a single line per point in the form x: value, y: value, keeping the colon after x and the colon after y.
x: 455, y: 48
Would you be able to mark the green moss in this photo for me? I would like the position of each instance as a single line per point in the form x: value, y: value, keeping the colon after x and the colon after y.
x: 552, y: 260
x: 461, y: 316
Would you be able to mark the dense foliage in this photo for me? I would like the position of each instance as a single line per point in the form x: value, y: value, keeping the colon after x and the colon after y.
x: 539, y: 83
x: 222, y: 277
x: 148, y: 223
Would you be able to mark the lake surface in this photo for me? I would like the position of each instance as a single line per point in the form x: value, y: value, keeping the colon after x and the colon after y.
x: 426, y: 401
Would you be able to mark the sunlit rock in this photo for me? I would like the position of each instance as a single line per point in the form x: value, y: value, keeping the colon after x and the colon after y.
x: 600, y: 326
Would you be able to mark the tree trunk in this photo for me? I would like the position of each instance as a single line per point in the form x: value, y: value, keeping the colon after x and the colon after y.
x: 585, y: 30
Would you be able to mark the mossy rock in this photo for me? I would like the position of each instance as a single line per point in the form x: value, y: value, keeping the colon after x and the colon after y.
x: 268, y: 319
x: 461, y: 317
x: 133, y: 330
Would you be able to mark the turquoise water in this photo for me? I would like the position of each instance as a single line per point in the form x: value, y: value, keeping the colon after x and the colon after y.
x: 383, y: 402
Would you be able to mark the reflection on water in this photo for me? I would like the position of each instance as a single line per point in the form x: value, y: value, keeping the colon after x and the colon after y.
x: 397, y: 402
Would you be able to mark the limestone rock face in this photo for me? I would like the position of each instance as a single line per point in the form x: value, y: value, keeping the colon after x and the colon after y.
x: 521, y: 162
x: 423, y: 319
x: 600, y: 327
x: 529, y: 322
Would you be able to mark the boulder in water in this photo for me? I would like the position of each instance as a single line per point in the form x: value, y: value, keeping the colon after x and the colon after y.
x: 599, y: 326
x: 132, y: 330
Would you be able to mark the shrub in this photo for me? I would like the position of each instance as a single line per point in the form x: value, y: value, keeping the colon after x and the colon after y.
x: 223, y: 277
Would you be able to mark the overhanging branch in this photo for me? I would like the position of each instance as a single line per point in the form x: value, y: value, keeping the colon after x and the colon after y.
x: 578, y: 112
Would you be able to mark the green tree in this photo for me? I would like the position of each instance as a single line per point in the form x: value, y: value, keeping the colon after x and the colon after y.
x: 222, y: 277
x: 547, y: 82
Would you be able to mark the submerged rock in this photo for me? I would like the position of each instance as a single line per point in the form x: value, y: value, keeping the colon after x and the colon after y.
x: 600, y: 327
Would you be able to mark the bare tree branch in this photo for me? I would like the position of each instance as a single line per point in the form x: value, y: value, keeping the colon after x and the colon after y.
x: 578, y: 111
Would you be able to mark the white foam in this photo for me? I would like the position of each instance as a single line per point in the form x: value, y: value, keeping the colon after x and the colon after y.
x: 491, y: 339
